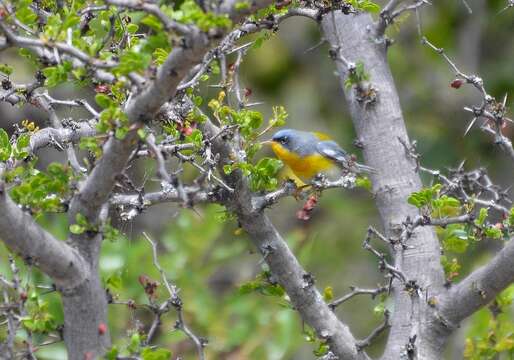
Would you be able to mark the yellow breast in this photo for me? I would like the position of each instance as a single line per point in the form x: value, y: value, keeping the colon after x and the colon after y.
x: 305, y: 167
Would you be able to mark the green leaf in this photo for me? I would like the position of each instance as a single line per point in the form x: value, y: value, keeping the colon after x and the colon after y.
x: 6, y: 69
x: 152, y: 22
x: 279, y: 117
x: 133, y: 61
x: 5, y: 146
x: 81, y: 220
x: 121, y: 132
x: 328, y: 294
x: 103, y: 100
x: 114, y: 282
x: 155, y: 354
x: 363, y: 182
x: 482, y: 216
x: 135, y: 342
x: 456, y: 239
x: 322, y: 349
x: 23, y: 141
x: 132, y: 28
x: 511, y: 217
x: 424, y: 197
x: 77, y: 229
x: 160, y: 55
x: 493, y: 232
x: 451, y: 268
x: 196, y: 138
x: 112, y: 353
x: 25, y: 14
x: 56, y: 75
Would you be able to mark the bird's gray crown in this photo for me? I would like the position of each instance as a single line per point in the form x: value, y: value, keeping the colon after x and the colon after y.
x: 301, y: 142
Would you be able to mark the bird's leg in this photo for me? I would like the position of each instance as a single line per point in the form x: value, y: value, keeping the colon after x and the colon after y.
x: 299, y: 192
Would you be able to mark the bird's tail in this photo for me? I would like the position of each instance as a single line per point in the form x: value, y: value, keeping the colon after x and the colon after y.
x: 364, y: 169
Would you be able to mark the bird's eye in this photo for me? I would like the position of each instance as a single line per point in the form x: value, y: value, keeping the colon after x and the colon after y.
x: 284, y: 140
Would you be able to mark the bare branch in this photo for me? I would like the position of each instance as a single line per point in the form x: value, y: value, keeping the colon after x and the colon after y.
x: 60, y: 137
x: 56, y: 122
x: 152, y: 9
x: 358, y: 291
x: 174, y: 300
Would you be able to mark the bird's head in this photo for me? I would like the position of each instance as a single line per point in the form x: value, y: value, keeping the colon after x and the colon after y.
x: 286, y: 138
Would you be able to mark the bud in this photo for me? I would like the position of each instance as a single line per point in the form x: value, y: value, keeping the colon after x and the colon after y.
x: 457, y: 83
x: 102, y: 88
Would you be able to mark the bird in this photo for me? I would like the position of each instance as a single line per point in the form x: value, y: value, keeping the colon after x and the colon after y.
x: 308, y: 154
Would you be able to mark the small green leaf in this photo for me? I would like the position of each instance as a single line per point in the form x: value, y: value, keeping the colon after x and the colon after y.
x: 328, y: 294
x: 6, y: 69
x: 493, y: 232
x: 112, y: 353
x: 482, y: 216
x: 155, y: 354
x: 5, y: 146
x: 114, y: 282
x: 135, y: 342
x: 456, y: 239
x: 103, y: 100
x: 132, y: 28
x: 160, y: 55
x: 77, y: 229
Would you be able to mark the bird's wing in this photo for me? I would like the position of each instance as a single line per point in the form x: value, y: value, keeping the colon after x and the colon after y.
x: 322, y: 136
x: 331, y: 150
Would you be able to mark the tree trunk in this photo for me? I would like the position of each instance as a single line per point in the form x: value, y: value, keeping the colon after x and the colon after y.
x: 85, y: 319
x: 379, y: 126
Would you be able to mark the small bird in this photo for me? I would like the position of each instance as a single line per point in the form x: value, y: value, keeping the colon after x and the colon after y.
x: 311, y: 153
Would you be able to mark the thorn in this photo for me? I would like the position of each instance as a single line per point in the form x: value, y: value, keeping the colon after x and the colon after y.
x: 472, y: 122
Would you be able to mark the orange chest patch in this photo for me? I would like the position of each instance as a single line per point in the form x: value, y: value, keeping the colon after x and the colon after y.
x: 304, y: 167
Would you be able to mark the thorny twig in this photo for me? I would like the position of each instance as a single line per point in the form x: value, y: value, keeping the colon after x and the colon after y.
x: 176, y: 302
x: 358, y: 291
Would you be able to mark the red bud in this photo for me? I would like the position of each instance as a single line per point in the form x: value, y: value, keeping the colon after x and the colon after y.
x: 103, y: 88
x: 457, y: 83
x: 102, y: 329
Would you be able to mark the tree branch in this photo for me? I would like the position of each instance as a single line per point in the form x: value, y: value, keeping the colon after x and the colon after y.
x: 298, y: 284
x: 478, y: 288
x: 25, y: 237
x: 377, y: 116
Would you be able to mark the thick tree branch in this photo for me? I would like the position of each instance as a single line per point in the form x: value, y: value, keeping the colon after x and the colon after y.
x: 284, y: 266
x: 25, y: 237
x: 378, y: 120
x: 478, y: 288
x: 61, y: 137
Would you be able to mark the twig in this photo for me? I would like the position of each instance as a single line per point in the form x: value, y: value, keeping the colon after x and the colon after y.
x: 358, y: 291
x: 375, y: 333
x: 174, y: 300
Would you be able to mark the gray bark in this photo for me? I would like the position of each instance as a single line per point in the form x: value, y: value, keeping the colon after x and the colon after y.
x: 85, y: 310
x: 378, y: 126
x: 25, y: 237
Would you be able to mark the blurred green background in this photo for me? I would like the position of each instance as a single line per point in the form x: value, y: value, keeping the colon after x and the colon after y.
x: 207, y: 258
